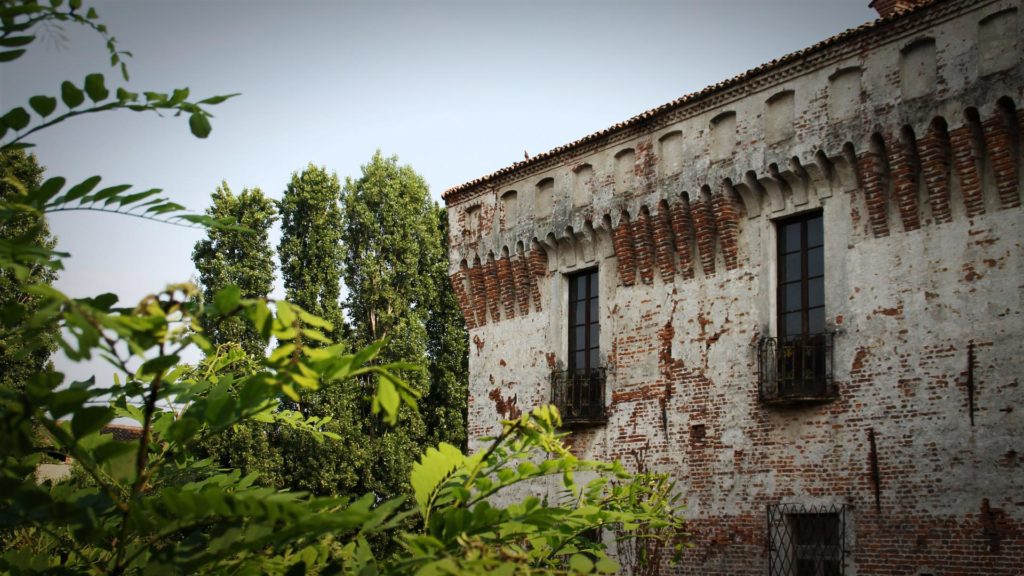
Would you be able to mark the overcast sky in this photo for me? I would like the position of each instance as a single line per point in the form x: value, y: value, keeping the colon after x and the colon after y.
x: 456, y: 88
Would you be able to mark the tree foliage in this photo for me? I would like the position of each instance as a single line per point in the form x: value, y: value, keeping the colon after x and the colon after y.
x: 20, y: 171
x: 151, y: 506
x: 310, y: 248
x: 239, y: 256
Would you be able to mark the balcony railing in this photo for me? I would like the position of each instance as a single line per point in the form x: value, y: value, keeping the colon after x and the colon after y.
x: 579, y: 396
x: 793, y: 370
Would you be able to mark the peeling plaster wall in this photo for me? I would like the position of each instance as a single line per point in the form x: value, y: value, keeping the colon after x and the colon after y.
x: 924, y: 261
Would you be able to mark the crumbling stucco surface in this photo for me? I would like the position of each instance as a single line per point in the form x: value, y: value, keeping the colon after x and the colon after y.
x: 907, y: 136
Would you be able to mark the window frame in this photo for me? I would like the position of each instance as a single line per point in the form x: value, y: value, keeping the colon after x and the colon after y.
x: 591, y: 348
x: 782, y: 304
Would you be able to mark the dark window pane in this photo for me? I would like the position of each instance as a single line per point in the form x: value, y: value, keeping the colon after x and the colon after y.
x: 792, y: 297
x: 815, y: 233
x: 593, y: 283
x: 816, y: 292
x: 792, y: 268
x: 594, y: 310
x: 581, y: 287
x: 595, y: 334
x: 791, y: 237
x: 793, y: 324
x: 579, y: 335
x: 816, y: 320
x: 578, y: 360
x: 816, y: 261
x: 579, y: 313
x: 595, y: 357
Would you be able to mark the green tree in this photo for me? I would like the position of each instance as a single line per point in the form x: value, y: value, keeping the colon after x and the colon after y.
x: 310, y: 248
x: 150, y: 507
x: 19, y: 171
x: 237, y: 256
x: 448, y: 349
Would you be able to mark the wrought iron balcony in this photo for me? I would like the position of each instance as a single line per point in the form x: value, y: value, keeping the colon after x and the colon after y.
x: 579, y: 396
x: 794, y: 370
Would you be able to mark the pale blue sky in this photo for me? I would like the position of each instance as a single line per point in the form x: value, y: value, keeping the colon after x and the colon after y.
x: 456, y: 88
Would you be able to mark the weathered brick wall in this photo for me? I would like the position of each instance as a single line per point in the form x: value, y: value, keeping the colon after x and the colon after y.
x: 924, y: 256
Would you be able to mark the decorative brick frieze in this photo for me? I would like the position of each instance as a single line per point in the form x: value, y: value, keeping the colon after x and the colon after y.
x: 1003, y: 158
x: 682, y: 233
x: 727, y: 222
x: 493, y: 288
x: 903, y: 172
x: 869, y: 165
x: 479, y: 292
x: 662, y: 236
x: 458, y: 281
x: 965, y: 159
x: 538, y: 270
x: 643, y: 242
x: 622, y: 242
x: 934, y: 159
x: 523, y: 281
x: 507, y: 284
x: 704, y: 223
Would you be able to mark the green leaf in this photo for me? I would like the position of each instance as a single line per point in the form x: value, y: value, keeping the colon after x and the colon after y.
x: 81, y: 189
x: 11, y: 55
x: 50, y: 188
x: 199, y: 124
x: 387, y: 399
x: 607, y: 566
x: 159, y: 364
x: 75, y: 4
x: 434, y: 467
x: 179, y: 96
x: 43, y: 105
x: 227, y: 299
x: 15, y: 41
x: 580, y: 564
x: 96, y: 88
x: 90, y: 419
x: 133, y: 198
x: 71, y: 94
x: 17, y: 118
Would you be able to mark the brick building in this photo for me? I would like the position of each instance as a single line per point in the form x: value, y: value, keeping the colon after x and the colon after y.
x: 798, y: 291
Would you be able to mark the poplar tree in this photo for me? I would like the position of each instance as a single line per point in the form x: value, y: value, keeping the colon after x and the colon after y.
x: 395, y: 261
x: 310, y: 248
x: 240, y: 257
x: 20, y: 169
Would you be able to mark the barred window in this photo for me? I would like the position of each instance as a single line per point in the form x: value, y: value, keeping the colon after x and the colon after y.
x: 806, y: 540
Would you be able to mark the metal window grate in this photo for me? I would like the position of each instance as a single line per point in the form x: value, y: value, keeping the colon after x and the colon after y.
x: 806, y: 540
x: 579, y: 395
x: 796, y: 369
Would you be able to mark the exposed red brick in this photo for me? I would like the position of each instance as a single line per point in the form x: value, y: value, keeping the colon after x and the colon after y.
x: 1003, y: 159
x: 704, y: 222
x: 479, y: 293
x: 903, y: 171
x: 663, y: 242
x: 622, y: 242
x: 507, y: 284
x: 644, y: 243
x: 869, y: 165
x: 965, y: 159
x: 682, y: 232
x: 523, y: 280
x: 934, y: 159
x: 490, y: 274
x: 538, y: 269
x: 727, y: 222
x: 458, y: 281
